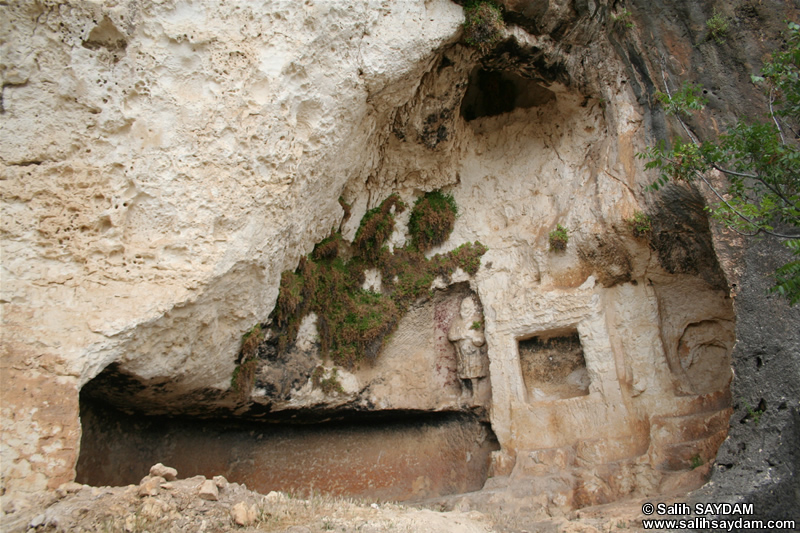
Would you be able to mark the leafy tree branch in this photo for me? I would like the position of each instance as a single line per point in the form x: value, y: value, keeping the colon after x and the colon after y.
x: 760, y: 162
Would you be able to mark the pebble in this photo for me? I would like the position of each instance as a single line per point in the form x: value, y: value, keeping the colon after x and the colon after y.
x: 274, y: 497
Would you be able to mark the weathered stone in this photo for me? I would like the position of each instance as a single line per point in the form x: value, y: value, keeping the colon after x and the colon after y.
x: 502, y: 464
x: 220, y: 482
x: 208, y: 490
x: 168, y: 473
x: 68, y: 488
x: 274, y: 496
x: 150, y: 485
x: 107, y: 220
x: 244, y: 515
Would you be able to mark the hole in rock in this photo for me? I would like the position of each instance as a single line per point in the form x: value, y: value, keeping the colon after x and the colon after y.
x: 491, y: 93
x: 399, y: 456
x: 553, y: 366
x: 105, y: 35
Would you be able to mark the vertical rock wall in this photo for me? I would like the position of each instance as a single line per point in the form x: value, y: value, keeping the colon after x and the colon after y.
x: 163, y: 164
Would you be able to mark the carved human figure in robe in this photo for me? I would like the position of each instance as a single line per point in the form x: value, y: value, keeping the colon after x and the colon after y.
x: 466, y: 334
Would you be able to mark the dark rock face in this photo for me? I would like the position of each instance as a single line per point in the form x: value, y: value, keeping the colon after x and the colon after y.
x: 759, y: 462
x: 682, y: 236
x: 397, y: 456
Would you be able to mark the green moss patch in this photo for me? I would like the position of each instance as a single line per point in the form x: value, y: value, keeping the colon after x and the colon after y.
x: 353, y: 323
x: 483, y: 24
x: 432, y: 220
x: 244, y: 377
x: 328, y: 385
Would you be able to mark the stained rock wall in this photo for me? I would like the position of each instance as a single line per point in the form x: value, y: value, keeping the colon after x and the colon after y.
x: 164, y: 164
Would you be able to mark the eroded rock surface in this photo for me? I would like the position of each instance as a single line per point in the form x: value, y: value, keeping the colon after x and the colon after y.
x: 163, y: 164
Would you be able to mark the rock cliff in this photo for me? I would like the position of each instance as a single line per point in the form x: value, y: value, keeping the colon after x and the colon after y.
x: 164, y: 163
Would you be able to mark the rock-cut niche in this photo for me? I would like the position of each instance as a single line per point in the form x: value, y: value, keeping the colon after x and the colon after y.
x: 553, y: 366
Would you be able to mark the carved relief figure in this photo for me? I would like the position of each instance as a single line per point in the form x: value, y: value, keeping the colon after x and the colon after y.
x: 466, y: 334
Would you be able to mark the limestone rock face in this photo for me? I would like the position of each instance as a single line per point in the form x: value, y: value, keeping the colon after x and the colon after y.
x: 164, y: 163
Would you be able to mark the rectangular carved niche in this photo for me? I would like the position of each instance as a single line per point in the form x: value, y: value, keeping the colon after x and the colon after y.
x: 553, y: 366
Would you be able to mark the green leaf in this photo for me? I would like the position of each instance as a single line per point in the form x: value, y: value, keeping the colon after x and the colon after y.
x: 761, y: 190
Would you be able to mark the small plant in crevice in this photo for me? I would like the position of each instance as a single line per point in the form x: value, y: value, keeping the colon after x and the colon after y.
x: 250, y: 342
x: 483, y: 24
x: 476, y: 325
x: 718, y: 26
x: 640, y: 225
x: 328, y: 385
x: 559, y: 238
x: 353, y: 324
x: 754, y: 414
x: 621, y: 21
x: 432, y: 220
x: 696, y: 461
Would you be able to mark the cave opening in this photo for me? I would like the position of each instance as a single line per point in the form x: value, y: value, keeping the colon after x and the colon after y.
x: 495, y: 92
x: 384, y: 456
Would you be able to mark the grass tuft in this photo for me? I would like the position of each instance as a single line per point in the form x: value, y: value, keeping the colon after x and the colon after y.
x: 483, y: 24
x: 718, y: 26
x: 559, y: 238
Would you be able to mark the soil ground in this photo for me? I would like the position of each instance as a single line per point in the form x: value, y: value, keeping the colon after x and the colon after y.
x: 157, y: 505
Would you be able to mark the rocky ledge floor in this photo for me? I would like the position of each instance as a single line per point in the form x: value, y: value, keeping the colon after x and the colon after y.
x: 163, y: 503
